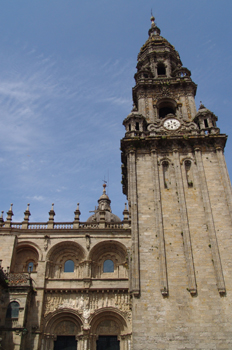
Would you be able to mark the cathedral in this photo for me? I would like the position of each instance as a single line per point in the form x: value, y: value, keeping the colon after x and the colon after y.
x: 162, y: 277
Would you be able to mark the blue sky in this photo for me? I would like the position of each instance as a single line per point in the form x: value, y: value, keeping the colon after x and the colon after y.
x: 66, y: 74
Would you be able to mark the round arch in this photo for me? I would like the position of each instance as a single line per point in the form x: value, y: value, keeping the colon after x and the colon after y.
x: 109, y: 252
x: 59, y: 254
x: 106, y: 247
x: 108, y: 314
x: 61, y: 323
x: 69, y: 246
x: 166, y: 106
x: 26, y: 253
x: 109, y: 323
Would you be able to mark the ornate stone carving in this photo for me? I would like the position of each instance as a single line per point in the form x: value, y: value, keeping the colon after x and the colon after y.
x: 86, y: 304
x: 185, y: 127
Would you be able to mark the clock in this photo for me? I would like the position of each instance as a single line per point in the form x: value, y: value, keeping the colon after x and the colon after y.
x: 171, y: 124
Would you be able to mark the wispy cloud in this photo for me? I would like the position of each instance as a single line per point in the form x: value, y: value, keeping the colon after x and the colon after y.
x: 60, y: 126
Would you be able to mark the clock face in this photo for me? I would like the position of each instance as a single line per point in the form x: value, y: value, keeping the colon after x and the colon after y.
x: 171, y: 124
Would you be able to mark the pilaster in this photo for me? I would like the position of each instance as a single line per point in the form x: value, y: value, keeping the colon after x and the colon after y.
x: 159, y: 225
x: 185, y: 225
x: 210, y: 223
x: 134, y: 222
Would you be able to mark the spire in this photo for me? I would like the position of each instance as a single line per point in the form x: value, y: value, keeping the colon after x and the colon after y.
x: 154, y: 30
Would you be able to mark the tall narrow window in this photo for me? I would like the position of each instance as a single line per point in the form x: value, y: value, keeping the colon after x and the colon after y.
x: 188, y: 170
x: 69, y: 266
x: 206, y: 123
x: 13, y: 310
x: 108, y: 266
x: 166, y: 174
x: 30, y: 266
x: 137, y: 126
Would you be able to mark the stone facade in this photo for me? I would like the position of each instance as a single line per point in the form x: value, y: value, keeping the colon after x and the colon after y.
x: 162, y: 277
x: 86, y: 299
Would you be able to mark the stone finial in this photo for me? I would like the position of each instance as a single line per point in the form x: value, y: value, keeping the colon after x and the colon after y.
x: 26, y: 217
x: 77, y: 213
x: 51, y: 212
x: 77, y: 217
x: 51, y: 217
x: 9, y: 216
x: 27, y: 213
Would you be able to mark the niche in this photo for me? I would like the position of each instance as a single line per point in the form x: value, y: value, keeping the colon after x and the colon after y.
x: 166, y: 174
x: 188, y: 171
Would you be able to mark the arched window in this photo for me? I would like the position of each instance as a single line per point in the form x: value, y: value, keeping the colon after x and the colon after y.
x: 13, y: 310
x: 166, y: 106
x: 108, y: 266
x: 69, y: 266
x: 30, y: 266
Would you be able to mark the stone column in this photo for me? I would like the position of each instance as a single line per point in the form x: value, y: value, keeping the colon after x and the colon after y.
x: 185, y: 225
x: 159, y: 225
x: 134, y: 222
x: 210, y: 223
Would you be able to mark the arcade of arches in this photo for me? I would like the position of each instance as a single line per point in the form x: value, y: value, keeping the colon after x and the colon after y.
x: 74, y: 285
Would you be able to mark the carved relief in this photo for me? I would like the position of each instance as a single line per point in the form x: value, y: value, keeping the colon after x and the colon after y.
x: 86, y: 304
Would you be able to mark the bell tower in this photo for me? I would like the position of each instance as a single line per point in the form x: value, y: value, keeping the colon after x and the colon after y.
x: 175, y: 178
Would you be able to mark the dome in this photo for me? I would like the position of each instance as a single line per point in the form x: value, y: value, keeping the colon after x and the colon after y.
x: 103, y: 205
